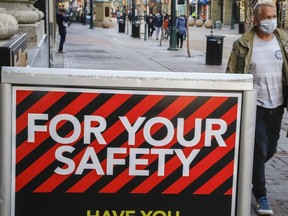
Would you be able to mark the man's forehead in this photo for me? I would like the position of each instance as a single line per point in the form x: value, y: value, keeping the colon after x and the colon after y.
x: 268, y: 10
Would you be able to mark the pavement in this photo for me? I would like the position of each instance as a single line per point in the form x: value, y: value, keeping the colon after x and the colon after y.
x: 107, y: 49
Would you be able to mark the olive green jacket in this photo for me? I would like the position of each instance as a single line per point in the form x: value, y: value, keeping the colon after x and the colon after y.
x: 240, y: 57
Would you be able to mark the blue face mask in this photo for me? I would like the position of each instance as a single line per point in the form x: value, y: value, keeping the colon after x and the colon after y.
x: 268, y: 25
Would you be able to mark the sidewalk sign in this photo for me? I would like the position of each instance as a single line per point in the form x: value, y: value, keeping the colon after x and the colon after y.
x: 124, y: 143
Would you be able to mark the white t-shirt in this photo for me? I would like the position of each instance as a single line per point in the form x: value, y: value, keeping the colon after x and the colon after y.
x: 266, y: 67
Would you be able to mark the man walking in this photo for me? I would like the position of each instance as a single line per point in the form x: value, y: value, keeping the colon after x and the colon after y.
x: 263, y: 52
x: 158, y: 22
x: 62, y: 22
x: 150, y: 23
x: 181, y: 29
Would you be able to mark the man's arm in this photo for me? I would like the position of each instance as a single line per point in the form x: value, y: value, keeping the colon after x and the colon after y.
x: 236, y: 62
x: 231, y: 65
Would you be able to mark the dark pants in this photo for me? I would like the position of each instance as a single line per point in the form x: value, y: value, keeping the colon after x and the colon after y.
x: 180, y: 38
x: 150, y: 30
x: 268, y: 126
x: 62, y: 33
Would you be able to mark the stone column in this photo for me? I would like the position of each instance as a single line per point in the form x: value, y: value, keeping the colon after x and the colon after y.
x: 8, y: 25
x: 40, y: 13
x: 227, y: 12
x: 28, y: 17
x: 20, y: 10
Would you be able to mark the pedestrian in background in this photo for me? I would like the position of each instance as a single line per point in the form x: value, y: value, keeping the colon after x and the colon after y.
x: 83, y: 18
x: 150, y: 23
x: 124, y: 16
x: 94, y: 16
x: 262, y: 51
x: 62, y: 23
x: 158, y: 22
x: 194, y: 15
x: 130, y: 16
x: 185, y: 34
x: 181, y: 30
x: 118, y: 16
x: 166, y: 26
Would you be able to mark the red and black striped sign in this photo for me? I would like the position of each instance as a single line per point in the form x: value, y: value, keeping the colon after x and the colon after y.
x: 85, y: 152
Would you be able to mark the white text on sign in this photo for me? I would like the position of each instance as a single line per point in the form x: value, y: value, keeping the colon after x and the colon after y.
x: 214, y: 129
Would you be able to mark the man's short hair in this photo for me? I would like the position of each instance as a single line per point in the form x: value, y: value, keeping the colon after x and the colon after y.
x: 259, y: 4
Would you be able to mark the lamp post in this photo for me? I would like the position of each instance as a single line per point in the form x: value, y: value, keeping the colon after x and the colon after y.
x: 91, y: 15
x: 172, y: 44
x: 145, y: 25
x: 134, y: 28
x: 85, y: 12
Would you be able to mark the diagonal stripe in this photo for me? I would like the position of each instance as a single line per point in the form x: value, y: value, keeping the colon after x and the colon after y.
x: 174, y: 164
x: 140, y: 109
x: 109, y: 107
x: 201, y: 168
x: 202, y: 112
x: 34, y: 169
x: 179, y: 104
x: 104, y: 111
x: 228, y: 192
x: 21, y: 95
x: 55, y: 180
x: 216, y: 180
x: 41, y: 106
x: 25, y: 148
x: 207, y: 162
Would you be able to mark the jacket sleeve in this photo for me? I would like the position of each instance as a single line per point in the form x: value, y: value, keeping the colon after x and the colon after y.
x: 65, y: 19
x: 231, y: 65
x: 236, y: 62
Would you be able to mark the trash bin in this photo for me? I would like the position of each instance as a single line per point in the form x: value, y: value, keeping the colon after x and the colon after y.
x: 136, y: 30
x: 241, y: 28
x: 121, y: 26
x: 214, y: 49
